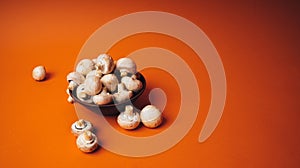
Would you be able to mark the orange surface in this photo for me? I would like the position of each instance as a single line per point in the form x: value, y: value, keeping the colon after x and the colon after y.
x: 258, y: 43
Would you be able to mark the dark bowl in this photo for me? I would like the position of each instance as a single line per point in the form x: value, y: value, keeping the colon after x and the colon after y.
x: 112, y: 108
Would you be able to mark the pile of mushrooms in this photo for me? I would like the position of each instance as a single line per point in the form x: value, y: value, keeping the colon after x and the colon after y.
x: 102, y: 80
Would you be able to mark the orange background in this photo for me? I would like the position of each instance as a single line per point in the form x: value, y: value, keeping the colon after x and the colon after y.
x: 258, y: 42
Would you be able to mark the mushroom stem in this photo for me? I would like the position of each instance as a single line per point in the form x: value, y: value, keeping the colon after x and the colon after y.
x: 133, y: 77
x: 80, y: 123
x: 128, y: 110
x: 123, y: 73
x: 88, y: 135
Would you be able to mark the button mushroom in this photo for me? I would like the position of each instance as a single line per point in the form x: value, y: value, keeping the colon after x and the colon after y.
x: 110, y: 81
x: 122, y: 95
x: 80, y: 126
x: 131, y: 83
x: 82, y: 95
x: 125, y: 66
x: 74, y: 79
x: 39, y: 73
x: 85, y: 66
x: 87, y: 142
x: 151, y: 116
x: 103, y: 98
x: 94, y: 73
x: 70, y: 98
x: 105, y: 63
x: 128, y: 119
x: 92, y: 85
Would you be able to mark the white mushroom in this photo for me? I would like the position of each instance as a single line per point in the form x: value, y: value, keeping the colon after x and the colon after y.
x: 103, y: 98
x: 122, y: 94
x: 74, y: 79
x: 85, y: 66
x: 110, y: 81
x: 151, y: 116
x: 93, y: 85
x: 70, y: 98
x: 87, y: 142
x: 82, y: 95
x: 94, y: 73
x: 39, y: 73
x: 128, y: 119
x: 131, y: 83
x: 80, y: 126
x: 105, y: 63
x: 125, y: 66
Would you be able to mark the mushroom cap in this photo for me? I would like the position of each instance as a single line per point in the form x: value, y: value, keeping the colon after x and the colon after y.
x: 151, y: 116
x: 87, y: 142
x: 82, y: 95
x: 80, y: 126
x: 131, y: 83
x: 126, y: 65
x: 110, y: 81
x: 105, y: 63
x: 93, y: 85
x: 39, y: 73
x: 94, y: 73
x: 85, y: 66
x: 122, y: 94
x: 128, y: 119
x: 76, y: 77
x: 126, y: 123
x: 103, y: 98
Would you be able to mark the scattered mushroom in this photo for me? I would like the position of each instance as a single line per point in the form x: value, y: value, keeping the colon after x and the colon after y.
x: 80, y: 126
x: 128, y: 119
x: 92, y: 85
x: 74, y: 79
x: 151, y: 116
x: 105, y: 63
x: 122, y: 94
x: 39, y: 73
x: 125, y: 66
x: 103, y: 98
x: 82, y: 95
x: 87, y: 142
x: 85, y: 66
x: 131, y: 83
x: 110, y: 81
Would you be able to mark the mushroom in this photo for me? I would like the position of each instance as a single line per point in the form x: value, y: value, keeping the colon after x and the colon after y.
x: 70, y: 98
x: 39, y: 73
x: 85, y: 66
x: 74, y: 79
x: 151, y: 116
x: 131, y: 83
x: 128, y: 119
x: 80, y: 126
x: 105, y: 63
x: 94, y: 73
x: 122, y: 94
x: 87, y: 142
x: 93, y: 85
x: 110, y: 81
x: 103, y: 98
x: 125, y: 66
x: 82, y: 95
